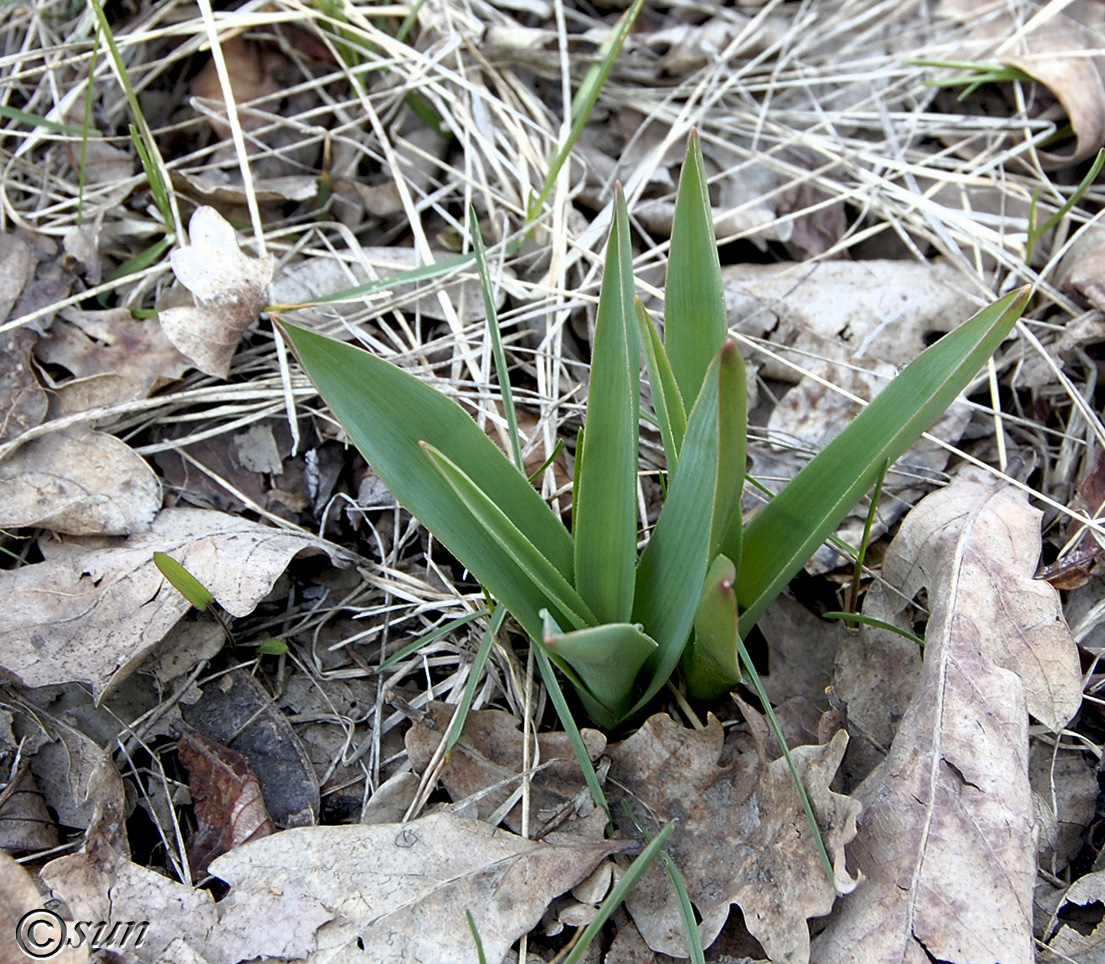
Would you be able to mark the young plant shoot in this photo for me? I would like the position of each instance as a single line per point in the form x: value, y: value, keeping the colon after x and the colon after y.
x: 617, y: 623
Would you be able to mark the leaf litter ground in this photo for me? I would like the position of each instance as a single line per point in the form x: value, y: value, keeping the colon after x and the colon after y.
x: 861, y: 214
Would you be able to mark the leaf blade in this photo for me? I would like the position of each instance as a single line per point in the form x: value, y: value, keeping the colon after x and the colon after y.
x: 779, y: 540
x: 604, y: 524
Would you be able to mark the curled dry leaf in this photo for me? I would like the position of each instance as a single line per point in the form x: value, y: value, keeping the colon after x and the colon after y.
x: 82, y: 484
x: 399, y: 892
x: 1061, y: 50
x: 1076, y: 931
x: 230, y: 810
x: 947, y: 836
x: 93, y: 609
x: 742, y: 836
x: 489, y: 754
x: 228, y: 287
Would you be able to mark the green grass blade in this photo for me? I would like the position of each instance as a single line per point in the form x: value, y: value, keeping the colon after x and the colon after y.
x: 517, y: 572
x: 671, y: 416
x: 583, y: 103
x: 779, y: 540
x: 695, y: 322
x: 619, y: 892
x: 35, y: 120
x: 711, y: 662
x: 564, y: 714
x: 475, y: 677
x: 426, y: 638
x: 606, y: 658
x: 605, y: 522
x: 497, y: 352
x: 388, y: 412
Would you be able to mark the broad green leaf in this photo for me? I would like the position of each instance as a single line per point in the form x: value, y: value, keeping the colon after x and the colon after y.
x: 604, y: 525
x: 666, y: 400
x: 524, y: 580
x: 695, y: 322
x: 387, y: 413
x: 711, y: 662
x: 183, y: 581
x: 673, y: 565
x: 726, y: 529
x: 779, y: 540
x: 606, y: 658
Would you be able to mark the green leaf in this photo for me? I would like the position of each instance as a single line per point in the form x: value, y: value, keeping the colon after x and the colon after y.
x: 272, y: 647
x: 606, y: 658
x: 726, y: 528
x: 711, y: 663
x: 674, y: 563
x: 514, y: 571
x: 604, y: 525
x: 183, y: 581
x: 695, y: 323
x: 666, y: 400
x: 785, y: 533
x: 387, y: 413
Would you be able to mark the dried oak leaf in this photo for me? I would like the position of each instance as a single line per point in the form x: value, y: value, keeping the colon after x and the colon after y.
x: 79, y: 483
x: 95, y: 607
x: 399, y: 892
x: 1019, y: 618
x: 1076, y: 931
x: 228, y: 287
x: 947, y: 836
x: 230, y: 810
x: 742, y: 836
x: 489, y: 754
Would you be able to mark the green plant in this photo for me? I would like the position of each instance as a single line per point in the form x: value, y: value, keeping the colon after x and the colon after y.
x: 615, y: 622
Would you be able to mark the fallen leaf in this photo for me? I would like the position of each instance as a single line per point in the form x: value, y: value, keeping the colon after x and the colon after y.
x: 489, y: 755
x: 1020, y: 620
x: 112, y: 356
x: 1078, y: 560
x: 230, y: 810
x: 399, y: 892
x: 947, y: 836
x: 237, y: 710
x: 229, y: 289
x: 94, y: 608
x: 742, y: 836
x: 79, y: 483
x: 23, y: 400
x: 1064, y: 788
x: 19, y: 896
x: 1076, y: 931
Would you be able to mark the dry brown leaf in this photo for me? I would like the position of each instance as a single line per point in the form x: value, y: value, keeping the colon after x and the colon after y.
x: 947, y: 836
x: 237, y: 710
x: 229, y: 289
x: 230, y: 810
x: 1019, y: 618
x: 1076, y: 931
x: 742, y: 836
x: 1061, y: 50
x: 82, y: 484
x: 23, y: 401
x: 19, y: 896
x: 94, y: 608
x: 399, y: 892
x: 113, y: 357
x: 489, y: 754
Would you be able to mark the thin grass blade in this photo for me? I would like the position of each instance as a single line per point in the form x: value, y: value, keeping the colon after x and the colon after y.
x: 726, y: 529
x: 388, y: 412
x: 604, y: 525
x: 695, y: 322
x: 779, y: 540
x: 497, y: 351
